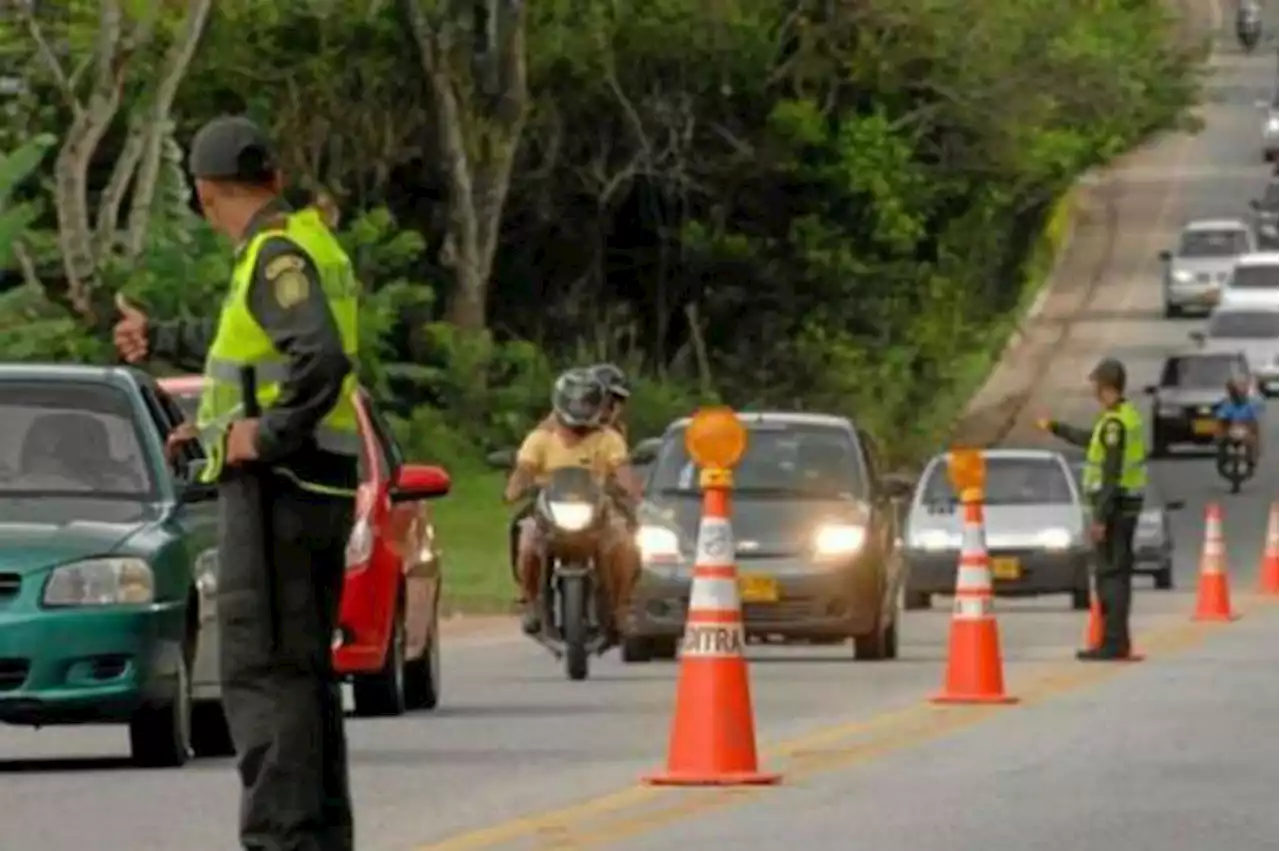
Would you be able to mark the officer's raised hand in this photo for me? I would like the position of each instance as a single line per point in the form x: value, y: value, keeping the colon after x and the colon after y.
x: 130, y: 332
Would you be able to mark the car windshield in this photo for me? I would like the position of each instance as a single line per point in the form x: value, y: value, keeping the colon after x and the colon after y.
x: 804, y: 461
x: 1256, y: 278
x: 1210, y: 371
x: 1245, y: 324
x: 1213, y: 243
x: 1009, y: 481
x: 72, y: 441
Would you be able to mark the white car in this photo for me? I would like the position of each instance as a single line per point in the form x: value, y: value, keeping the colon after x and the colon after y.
x: 1270, y: 134
x: 1254, y: 282
x: 1254, y: 331
x: 1195, y: 271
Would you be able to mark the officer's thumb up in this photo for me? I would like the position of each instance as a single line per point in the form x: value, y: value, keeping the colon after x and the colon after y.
x: 127, y: 310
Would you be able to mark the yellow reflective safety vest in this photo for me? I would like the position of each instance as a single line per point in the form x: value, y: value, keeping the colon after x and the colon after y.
x: 1133, y: 475
x: 241, y: 342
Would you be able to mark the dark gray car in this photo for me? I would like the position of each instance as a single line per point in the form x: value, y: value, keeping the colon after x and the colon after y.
x: 1182, y: 403
x: 814, y: 528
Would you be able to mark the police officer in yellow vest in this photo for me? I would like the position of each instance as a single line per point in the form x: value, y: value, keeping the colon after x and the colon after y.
x: 1115, y: 479
x: 290, y: 314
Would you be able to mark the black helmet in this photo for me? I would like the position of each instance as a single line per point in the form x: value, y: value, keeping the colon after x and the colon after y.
x: 1109, y: 373
x: 578, y: 398
x: 613, y: 378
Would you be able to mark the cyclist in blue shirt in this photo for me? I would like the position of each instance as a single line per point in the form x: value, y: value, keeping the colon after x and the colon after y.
x: 1240, y: 408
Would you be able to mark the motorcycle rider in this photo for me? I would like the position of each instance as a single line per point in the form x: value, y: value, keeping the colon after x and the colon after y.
x: 1240, y: 407
x: 1248, y: 20
x: 578, y: 437
x: 615, y: 381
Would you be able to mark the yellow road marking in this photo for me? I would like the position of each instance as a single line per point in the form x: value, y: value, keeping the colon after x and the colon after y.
x: 602, y: 820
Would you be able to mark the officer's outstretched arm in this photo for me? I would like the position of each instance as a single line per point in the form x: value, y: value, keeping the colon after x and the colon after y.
x: 1071, y: 434
x: 182, y: 342
x: 288, y: 301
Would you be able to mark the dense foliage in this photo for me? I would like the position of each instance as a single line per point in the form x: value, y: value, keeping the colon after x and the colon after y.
x: 833, y: 205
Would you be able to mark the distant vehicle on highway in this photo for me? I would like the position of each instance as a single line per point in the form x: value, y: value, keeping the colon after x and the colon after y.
x: 1271, y: 132
x: 1035, y: 525
x: 108, y: 564
x: 1153, y: 543
x: 1254, y: 281
x: 1265, y: 214
x: 1197, y: 268
x: 389, y: 626
x: 1251, y: 330
x: 1183, y: 400
x: 814, y: 529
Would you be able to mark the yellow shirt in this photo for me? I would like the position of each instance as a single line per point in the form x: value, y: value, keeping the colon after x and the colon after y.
x: 545, y: 451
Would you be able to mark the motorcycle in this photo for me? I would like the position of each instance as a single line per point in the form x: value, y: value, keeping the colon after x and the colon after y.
x: 570, y: 512
x: 1235, y: 458
x: 1249, y: 31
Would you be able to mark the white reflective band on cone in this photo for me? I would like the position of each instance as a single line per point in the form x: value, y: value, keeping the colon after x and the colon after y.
x: 713, y: 640
x: 973, y: 577
x: 972, y: 608
x: 713, y: 594
x: 715, y: 543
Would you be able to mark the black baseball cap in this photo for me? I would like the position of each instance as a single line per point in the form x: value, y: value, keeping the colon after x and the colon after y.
x: 231, y: 147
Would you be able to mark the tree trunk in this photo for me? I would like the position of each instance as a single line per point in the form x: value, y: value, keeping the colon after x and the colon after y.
x: 479, y: 86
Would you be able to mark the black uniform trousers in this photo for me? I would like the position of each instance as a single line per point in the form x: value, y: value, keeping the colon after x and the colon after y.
x: 283, y: 704
x: 1115, y: 577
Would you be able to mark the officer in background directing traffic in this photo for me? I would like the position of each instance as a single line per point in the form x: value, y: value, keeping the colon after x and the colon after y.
x: 1115, y: 479
x: 286, y: 482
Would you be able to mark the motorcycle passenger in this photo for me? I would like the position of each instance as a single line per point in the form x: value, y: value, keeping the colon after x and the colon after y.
x: 615, y: 381
x: 577, y: 438
x: 1240, y: 408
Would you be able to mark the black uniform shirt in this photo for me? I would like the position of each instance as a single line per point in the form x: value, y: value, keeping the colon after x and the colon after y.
x: 303, y: 329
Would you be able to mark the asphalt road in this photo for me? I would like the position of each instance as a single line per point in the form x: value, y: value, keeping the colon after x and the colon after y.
x: 1177, y: 752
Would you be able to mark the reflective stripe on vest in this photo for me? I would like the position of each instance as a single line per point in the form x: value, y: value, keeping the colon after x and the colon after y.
x: 241, y: 342
x: 1133, y: 473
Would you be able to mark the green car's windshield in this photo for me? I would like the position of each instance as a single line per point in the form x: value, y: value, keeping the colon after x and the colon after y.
x: 788, y: 460
x: 71, y: 441
x: 1009, y: 481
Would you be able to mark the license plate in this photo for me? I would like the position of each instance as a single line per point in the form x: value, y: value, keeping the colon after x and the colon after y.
x: 758, y: 589
x: 1005, y: 568
x: 1204, y: 426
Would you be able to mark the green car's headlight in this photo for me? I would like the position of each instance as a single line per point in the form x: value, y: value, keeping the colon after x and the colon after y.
x: 100, y: 582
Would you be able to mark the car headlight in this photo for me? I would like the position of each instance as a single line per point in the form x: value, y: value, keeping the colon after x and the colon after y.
x: 657, y: 544
x: 1273, y: 125
x: 1182, y: 276
x: 936, y: 540
x: 1055, y: 539
x: 572, y: 516
x: 838, y: 539
x: 100, y: 582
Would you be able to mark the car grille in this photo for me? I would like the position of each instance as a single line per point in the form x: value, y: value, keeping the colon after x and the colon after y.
x: 10, y: 584
x: 13, y: 673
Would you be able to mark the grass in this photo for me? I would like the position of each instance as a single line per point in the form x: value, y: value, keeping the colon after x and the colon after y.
x: 472, y: 523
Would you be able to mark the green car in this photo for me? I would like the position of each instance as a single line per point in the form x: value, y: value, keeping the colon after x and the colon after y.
x: 108, y: 566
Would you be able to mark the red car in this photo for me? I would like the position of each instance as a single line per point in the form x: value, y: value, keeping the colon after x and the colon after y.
x: 388, y: 641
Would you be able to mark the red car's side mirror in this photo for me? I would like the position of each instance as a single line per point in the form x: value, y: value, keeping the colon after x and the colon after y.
x: 419, y: 481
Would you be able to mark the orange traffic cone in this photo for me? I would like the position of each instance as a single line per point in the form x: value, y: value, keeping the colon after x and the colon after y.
x: 1213, y: 598
x: 974, y: 670
x: 713, y: 738
x: 1093, y: 630
x: 1269, y: 568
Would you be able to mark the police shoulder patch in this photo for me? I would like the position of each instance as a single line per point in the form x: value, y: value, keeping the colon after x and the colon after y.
x: 1112, y: 432
x: 277, y: 266
x: 291, y: 288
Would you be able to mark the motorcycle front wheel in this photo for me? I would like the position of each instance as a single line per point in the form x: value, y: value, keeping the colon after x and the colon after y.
x: 573, y: 629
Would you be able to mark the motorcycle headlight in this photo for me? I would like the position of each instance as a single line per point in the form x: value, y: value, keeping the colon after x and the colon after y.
x: 1273, y: 124
x: 572, y: 516
x: 935, y: 540
x: 657, y: 544
x: 838, y: 539
x: 1054, y: 539
x: 100, y: 582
